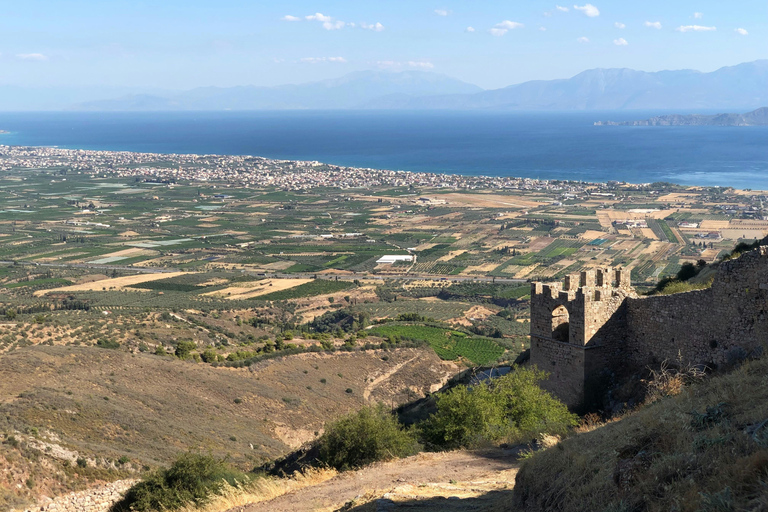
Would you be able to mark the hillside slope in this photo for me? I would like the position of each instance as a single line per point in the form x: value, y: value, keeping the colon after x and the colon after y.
x: 704, y: 449
x: 119, y: 412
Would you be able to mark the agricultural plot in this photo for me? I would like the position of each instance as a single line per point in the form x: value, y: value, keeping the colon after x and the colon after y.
x: 448, y: 344
x: 117, y: 283
x: 309, y: 289
x: 437, y: 309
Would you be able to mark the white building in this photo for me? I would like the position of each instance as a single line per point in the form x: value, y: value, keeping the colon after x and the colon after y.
x: 393, y: 258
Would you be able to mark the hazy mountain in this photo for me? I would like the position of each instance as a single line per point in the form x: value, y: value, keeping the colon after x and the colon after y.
x: 757, y: 117
x: 349, y: 91
x: 738, y: 87
x: 735, y: 88
x: 18, y: 98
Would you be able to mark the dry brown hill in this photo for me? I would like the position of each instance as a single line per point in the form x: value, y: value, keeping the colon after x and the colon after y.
x: 60, y: 404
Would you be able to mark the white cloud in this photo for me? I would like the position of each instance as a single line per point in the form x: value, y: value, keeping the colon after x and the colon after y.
x: 318, y: 16
x: 509, y: 25
x: 442, y: 12
x: 542, y: 29
x: 413, y: 64
x: 470, y: 29
x: 505, y: 26
x: 333, y: 25
x: 582, y: 40
x: 561, y: 8
x: 288, y: 17
x: 376, y: 27
x: 698, y: 15
x: 620, y: 42
x: 695, y: 28
x: 618, y: 24
x: 588, y: 9
x: 742, y: 31
x: 653, y: 24
x: 420, y: 64
x: 31, y: 56
x: 317, y: 60
x: 327, y: 21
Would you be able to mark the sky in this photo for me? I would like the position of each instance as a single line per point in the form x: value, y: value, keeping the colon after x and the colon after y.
x: 170, y: 44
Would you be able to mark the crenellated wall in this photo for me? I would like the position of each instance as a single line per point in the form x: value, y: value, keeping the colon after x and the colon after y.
x: 611, y: 327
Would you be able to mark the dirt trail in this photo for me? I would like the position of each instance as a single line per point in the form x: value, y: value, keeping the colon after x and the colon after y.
x: 383, y: 377
x: 427, y: 478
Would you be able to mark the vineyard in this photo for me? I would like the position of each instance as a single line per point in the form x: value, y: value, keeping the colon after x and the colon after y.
x: 439, y: 310
x: 448, y: 344
x: 310, y: 289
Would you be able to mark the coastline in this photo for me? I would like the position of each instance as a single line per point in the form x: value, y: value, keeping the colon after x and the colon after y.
x: 555, y: 146
x: 250, y: 170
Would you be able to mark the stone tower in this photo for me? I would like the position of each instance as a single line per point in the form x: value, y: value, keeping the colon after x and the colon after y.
x: 571, y: 321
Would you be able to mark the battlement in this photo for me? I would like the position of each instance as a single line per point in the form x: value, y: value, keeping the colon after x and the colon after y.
x: 594, y: 323
x: 573, y: 311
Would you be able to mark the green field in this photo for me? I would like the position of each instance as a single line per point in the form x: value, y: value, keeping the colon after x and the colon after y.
x: 447, y: 343
x: 310, y: 289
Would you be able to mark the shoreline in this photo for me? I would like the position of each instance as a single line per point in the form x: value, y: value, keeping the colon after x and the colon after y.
x: 397, y: 178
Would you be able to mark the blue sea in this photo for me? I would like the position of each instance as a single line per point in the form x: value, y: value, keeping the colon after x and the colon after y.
x: 536, y: 145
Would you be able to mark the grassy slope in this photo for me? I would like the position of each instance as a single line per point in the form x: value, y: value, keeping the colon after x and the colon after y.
x: 104, y: 404
x: 663, y: 457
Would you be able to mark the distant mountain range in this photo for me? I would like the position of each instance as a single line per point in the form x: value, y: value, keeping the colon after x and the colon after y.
x: 354, y: 90
x: 734, y: 88
x: 737, y: 87
x: 757, y: 117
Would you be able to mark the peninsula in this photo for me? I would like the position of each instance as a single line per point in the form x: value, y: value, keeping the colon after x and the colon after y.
x: 757, y: 117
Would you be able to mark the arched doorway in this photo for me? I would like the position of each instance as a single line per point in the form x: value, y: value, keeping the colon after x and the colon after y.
x: 560, y: 324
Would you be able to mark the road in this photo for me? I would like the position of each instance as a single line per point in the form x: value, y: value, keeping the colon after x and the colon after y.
x: 303, y: 275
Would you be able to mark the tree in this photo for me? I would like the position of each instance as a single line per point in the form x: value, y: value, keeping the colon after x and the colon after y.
x: 184, y: 348
x: 687, y: 271
x: 363, y: 437
x: 511, y: 407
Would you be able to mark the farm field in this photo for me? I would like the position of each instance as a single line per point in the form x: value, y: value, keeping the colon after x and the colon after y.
x: 117, y: 283
x: 448, y: 344
x: 190, y: 266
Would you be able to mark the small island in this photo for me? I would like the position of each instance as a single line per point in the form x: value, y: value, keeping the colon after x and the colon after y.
x: 757, y: 117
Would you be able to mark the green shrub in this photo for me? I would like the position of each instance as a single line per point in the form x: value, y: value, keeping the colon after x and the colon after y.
x: 209, y: 356
x: 367, y: 436
x: 184, y: 348
x: 192, y: 479
x: 512, y: 407
x: 107, y: 343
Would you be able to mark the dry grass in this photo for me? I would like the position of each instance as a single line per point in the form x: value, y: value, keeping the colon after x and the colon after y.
x: 117, y: 283
x: 704, y: 449
x: 256, y: 288
x: 262, y: 489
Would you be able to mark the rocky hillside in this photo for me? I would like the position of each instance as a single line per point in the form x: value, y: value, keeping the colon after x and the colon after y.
x: 75, y: 416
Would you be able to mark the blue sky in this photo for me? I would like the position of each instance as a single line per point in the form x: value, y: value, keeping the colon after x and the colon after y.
x: 169, y: 44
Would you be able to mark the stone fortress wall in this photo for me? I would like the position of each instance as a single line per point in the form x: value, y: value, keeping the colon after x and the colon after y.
x: 595, y: 322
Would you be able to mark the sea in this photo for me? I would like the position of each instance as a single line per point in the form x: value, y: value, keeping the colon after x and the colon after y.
x: 562, y: 146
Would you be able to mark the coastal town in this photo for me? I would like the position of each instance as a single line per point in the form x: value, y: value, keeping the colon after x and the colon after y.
x: 221, y: 211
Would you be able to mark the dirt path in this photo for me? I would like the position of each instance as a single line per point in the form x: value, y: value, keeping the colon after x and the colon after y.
x: 429, y: 478
x: 383, y: 377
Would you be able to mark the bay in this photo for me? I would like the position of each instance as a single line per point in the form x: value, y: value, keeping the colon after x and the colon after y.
x: 564, y: 146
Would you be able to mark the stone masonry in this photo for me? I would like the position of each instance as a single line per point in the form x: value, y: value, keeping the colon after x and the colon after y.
x: 594, y: 322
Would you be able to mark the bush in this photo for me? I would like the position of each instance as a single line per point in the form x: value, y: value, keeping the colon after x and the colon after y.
x: 367, y: 436
x: 107, y: 343
x: 512, y: 407
x: 192, y: 479
x: 184, y: 349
